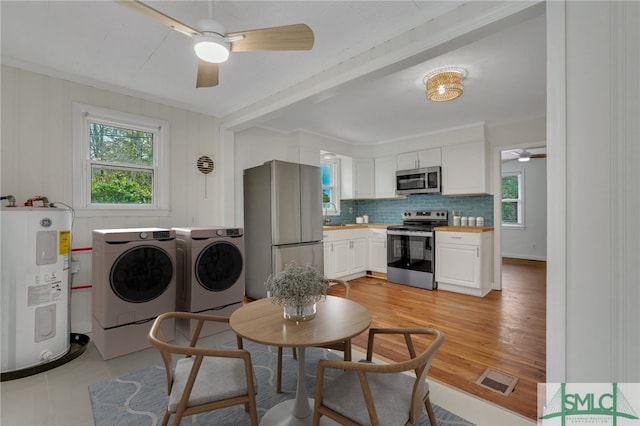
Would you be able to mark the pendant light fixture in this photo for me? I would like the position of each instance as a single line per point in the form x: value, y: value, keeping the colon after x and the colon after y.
x: 445, y: 84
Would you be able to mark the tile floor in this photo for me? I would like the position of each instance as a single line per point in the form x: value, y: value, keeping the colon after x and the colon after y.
x: 60, y: 396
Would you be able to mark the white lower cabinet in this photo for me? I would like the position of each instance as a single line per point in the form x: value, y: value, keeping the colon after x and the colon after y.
x: 341, y: 261
x: 464, y: 262
x: 358, y: 255
x: 328, y: 257
x: 378, y: 250
x: 345, y: 253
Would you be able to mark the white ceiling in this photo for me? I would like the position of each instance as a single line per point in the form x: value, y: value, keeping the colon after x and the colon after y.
x: 104, y: 44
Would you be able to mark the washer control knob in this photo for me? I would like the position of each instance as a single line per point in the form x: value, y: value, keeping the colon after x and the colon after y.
x: 143, y: 235
x: 220, y: 232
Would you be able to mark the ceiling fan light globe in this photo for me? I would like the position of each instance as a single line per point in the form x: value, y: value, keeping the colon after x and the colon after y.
x: 524, y: 156
x: 211, y: 49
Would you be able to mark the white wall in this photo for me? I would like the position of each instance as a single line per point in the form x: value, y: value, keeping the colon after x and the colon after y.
x: 529, y: 242
x: 593, y: 155
x: 256, y: 145
x: 37, y: 160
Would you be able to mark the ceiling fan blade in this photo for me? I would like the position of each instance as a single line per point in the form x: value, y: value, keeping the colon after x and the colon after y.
x: 158, y: 16
x: 207, y: 74
x: 287, y: 37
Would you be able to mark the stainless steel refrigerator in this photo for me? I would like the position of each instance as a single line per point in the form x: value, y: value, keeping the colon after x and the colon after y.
x: 282, y: 221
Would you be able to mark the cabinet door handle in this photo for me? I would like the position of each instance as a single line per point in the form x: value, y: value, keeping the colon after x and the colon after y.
x: 477, y: 251
x: 350, y: 244
x: 331, y: 247
x: 456, y: 238
x: 385, y: 243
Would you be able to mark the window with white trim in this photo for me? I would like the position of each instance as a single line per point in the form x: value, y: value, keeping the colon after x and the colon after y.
x: 513, y: 199
x: 330, y: 188
x: 120, y: 164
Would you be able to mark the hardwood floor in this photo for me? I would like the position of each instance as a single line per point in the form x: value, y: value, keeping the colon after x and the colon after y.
x: 504, y: 330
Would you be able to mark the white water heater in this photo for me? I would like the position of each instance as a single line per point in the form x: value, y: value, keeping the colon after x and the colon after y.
x: 36, y: 256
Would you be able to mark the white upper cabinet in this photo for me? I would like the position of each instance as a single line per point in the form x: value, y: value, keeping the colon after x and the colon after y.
x: 364, y: 177
x: 464, y: 169
x: 419, y: 159
x: 357, y: 178
x: 385, y: 180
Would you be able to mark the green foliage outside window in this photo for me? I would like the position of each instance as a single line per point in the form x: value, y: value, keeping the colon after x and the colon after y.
x: 326, y: 198
x: 509, y: 212
x: 121, y: 165
x: 121, y: 186
x: 510, y: 197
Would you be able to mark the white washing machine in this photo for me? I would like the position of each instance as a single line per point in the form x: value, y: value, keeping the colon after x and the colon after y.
x: 210, y: 264
x: 134, y: 281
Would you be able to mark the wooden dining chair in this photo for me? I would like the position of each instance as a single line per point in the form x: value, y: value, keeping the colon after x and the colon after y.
x: 378, y: 394
x: 203, y: 379
x: 344, y: 346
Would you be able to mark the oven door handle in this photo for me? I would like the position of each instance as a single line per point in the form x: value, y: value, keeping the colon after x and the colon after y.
x: 410, y: 233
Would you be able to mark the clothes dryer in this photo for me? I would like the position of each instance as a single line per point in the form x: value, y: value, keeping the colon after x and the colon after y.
x: 210, y: 264
x: 134, y: 281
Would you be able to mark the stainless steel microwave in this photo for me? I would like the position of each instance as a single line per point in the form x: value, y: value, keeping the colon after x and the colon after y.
x: 418, y: 181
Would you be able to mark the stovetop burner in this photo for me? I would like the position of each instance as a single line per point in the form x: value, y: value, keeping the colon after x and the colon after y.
x: 421, y: 220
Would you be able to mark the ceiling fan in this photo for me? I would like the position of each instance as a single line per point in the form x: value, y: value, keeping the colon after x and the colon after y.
x: 212, y: 45
x: 523, y: 155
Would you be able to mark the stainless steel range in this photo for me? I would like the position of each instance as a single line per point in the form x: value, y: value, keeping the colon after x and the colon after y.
x: 411, y: 248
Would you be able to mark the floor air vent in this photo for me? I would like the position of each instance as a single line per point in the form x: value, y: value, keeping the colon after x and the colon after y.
x: 497, y: 381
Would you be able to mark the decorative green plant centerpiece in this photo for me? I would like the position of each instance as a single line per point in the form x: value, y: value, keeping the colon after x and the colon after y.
x: 297, y: 289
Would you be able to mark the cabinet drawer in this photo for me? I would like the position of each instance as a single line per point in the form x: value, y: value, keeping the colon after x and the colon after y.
x: 347, y: 234
x: 378, y: 234
x: 470, y: 238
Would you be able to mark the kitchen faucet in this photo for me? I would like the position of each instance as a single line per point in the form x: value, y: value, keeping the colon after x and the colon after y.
x: 326, y: 220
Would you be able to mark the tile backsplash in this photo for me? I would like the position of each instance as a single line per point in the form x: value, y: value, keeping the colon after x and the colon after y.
x: 390, y: 211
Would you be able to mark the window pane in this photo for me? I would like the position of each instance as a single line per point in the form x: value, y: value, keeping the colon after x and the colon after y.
x: 118, y: 186
x: 510, y: 212
x: 326, y: 196
x: 119, y: 145
x: 510, y: 187
x: 326, y: 174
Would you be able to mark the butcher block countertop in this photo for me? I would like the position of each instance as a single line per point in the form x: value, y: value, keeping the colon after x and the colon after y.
x: 463, y: 228
x: 356, y: 226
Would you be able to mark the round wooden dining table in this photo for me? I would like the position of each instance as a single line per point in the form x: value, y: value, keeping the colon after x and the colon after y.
x: 263, y: 322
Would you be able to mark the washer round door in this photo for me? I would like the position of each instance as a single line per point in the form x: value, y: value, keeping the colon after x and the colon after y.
x: 141, y: 274
x: 219, y: 266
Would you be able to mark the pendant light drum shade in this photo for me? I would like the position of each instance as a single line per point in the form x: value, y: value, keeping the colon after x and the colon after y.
x: 445, y: 84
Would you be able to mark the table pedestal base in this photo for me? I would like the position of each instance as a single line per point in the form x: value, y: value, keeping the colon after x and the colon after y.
x: 280, y: 415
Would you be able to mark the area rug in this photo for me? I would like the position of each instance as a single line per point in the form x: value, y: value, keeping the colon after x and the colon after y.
x: 139, y: 398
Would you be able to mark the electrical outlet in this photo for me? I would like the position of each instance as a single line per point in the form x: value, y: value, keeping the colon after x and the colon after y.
x: 350, y: 210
